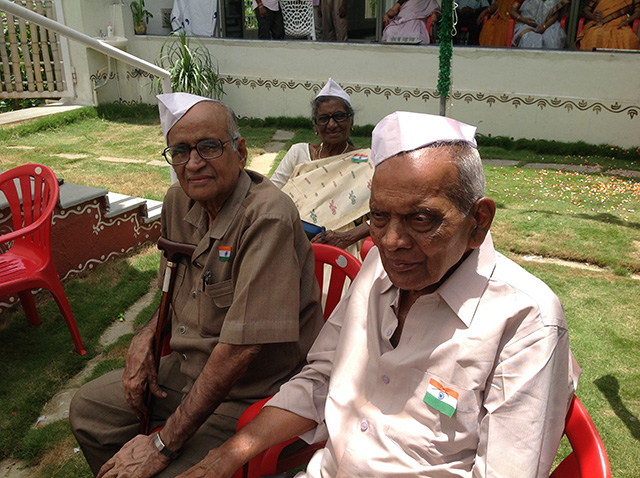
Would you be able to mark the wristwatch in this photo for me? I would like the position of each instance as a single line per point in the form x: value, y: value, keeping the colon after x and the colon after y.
x: 162, y: 448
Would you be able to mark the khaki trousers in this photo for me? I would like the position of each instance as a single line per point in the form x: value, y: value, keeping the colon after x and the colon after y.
x: 102, y: 421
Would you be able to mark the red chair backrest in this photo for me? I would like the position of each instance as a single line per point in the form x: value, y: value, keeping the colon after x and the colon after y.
x: 366, y: 247
x: 32, y: 193
x: 588, y: 458
x: 343, y: 264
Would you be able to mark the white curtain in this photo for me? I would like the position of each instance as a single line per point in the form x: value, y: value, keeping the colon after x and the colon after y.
x: 197, y: 17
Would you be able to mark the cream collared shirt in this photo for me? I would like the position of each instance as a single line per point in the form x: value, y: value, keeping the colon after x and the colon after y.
x: 492, y: 332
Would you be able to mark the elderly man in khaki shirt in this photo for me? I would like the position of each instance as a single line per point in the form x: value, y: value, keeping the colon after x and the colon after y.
x: 245, y: 307
x: 445, y: 359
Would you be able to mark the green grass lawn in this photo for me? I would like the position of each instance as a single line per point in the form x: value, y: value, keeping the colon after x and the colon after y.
x: 592, y: 218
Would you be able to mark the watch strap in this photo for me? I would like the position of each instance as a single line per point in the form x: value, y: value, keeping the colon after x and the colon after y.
x: 162, y: 448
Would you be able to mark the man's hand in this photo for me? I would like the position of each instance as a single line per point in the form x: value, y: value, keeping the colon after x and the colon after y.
x: 334, y: 238
x: 138, y: 458
x: 140, y: 371
x: 212, y: 466
x: 262, y: 11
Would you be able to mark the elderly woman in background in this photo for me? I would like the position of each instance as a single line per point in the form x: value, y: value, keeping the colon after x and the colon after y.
x: 537, y: 24
x: 495, y: 30
x: 405, y: 21
x: 609, y: 25
x: 329, y: 181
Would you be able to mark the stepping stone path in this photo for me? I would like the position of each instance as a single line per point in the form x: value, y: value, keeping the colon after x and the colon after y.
x: 262, y: 163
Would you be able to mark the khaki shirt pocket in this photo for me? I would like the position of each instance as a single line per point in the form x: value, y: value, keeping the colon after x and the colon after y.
x: 213, y: 306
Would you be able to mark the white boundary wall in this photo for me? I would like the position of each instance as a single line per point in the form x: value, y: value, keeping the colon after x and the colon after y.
x: 556, y: 95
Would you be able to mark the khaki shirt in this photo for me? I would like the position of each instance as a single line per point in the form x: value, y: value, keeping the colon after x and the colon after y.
x: 250, y: 281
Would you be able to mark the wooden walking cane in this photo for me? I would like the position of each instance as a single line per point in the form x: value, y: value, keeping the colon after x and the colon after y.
x: 173, y: 251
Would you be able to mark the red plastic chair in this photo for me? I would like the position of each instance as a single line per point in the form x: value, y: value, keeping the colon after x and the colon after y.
x: 343, y: 264
x: 366, y: 247
x: 26, y: 263
x: 270, y: 462
x: 588, y: 458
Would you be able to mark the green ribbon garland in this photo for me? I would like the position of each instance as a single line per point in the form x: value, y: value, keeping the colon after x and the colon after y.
x: 446, y: 48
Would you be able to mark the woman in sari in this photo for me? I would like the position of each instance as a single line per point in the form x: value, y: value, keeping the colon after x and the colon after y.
x: 537, y: 24
x: 329, y: 181
x: 406, y: 21
x: 609, y: 25
x: 495, y: 30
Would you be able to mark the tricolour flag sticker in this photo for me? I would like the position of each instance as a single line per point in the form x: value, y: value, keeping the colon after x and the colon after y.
x: 442, y: 399
x: 224, y: 253
x: 359, y: 158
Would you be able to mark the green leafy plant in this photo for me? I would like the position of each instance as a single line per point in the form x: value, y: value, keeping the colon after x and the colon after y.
x: 193, y: 70
x: 140, y: 16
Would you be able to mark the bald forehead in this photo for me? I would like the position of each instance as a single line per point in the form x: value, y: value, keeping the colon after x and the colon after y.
x: 420, y: 164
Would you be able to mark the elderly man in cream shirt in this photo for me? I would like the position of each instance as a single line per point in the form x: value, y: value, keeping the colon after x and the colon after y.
x: 445, y: 358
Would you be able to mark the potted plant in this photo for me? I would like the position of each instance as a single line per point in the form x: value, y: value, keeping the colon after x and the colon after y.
x: 193, y: 70
x: 140, y: 17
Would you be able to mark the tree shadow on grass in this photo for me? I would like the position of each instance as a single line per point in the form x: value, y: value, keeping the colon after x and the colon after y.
x: 610, y: 388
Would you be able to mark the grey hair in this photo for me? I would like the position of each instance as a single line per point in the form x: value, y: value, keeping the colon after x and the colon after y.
x: 471, y: 179
x: 317, y: 101
x: 232, y: 123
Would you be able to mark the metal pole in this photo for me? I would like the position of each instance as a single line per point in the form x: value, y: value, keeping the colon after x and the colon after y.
x: 102, y: 47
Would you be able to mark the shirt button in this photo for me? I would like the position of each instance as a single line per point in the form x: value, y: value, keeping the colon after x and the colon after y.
x: 364, y: 426
x: 193, y: 294
x: 389, y: 332
x: 182, y: 329
x: 184, y: 357
x: 386, y: 379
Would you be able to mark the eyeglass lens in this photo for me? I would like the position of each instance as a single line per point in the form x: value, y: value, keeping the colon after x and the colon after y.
x: 206, y: 148
x: 337, y: 117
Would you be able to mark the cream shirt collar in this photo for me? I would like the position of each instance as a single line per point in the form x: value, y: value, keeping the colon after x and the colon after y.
x: 463, y: 290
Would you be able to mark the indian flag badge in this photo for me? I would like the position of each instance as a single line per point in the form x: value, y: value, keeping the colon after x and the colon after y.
x: 359, y: 158
x: 224, y: 253
x: 442, y: 399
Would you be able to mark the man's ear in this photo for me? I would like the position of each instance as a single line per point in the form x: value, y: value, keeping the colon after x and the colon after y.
x: 241, y: 146
x: 483, y: 212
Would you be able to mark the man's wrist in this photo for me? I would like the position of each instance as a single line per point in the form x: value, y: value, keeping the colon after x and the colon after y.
x: 162, y: 448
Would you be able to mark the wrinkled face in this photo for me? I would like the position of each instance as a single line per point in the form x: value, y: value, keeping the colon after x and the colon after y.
x: 334, y: 132
x: 210, y: 182
x: 420, y: 233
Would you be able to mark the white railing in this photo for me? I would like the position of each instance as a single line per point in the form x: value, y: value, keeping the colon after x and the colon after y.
x: 102, y: 47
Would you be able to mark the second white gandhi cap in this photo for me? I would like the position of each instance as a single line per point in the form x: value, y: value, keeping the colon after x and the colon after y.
x: 405, y: 131
x: 334, y: 89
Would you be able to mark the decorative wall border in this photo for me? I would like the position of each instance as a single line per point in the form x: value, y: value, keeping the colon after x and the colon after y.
x: 426, y: 94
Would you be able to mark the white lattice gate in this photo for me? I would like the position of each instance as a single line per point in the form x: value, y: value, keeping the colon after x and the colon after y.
x: 32, y: 61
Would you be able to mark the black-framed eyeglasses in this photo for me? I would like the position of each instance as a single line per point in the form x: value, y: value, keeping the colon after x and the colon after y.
x: 206, y: 148
x: 337, y: 117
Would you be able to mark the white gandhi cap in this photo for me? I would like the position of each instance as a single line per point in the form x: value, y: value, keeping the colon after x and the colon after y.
x: 334, y: 89
x: 404, y: 131
x: 173, y: 106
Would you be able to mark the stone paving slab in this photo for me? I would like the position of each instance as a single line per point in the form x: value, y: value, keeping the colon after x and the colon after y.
x: 565, y: 167
x: 262, y: 163
x: 274, y: 146
x: 71, y: 156
x: 120, y: 160
x: 282, y: 135
x: 623, y: 172
x: 506, y: 163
